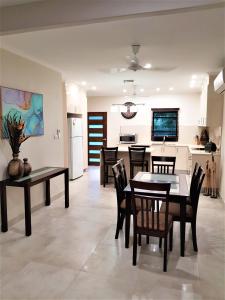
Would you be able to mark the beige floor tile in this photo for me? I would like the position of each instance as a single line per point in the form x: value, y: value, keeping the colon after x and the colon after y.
x: 72, y: 253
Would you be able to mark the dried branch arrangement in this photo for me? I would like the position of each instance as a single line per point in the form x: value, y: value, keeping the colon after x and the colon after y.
x: 14, y: 126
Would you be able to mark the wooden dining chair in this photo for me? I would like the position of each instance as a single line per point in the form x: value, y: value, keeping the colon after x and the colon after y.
x: 163, y: 164
x: 110, y: 157
x: 119, y: 174
x: 137, y: 159
x: 191, y: 207
x: 151, y: 222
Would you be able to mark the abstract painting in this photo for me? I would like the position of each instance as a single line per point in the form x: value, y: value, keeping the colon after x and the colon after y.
x: 28, y: 105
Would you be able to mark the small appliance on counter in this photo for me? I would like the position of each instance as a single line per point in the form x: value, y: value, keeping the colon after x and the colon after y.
x: 128, y: 138
x: 210, y: 147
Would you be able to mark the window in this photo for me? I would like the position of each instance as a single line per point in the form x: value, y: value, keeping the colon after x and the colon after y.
x: 165, y: 124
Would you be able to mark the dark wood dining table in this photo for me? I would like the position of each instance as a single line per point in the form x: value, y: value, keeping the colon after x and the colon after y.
x: 179, y: 193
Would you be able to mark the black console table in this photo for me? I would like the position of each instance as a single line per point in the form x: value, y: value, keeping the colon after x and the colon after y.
x: 36, y: 177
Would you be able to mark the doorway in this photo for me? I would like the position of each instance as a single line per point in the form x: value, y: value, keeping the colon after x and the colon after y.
x: 97, y: 136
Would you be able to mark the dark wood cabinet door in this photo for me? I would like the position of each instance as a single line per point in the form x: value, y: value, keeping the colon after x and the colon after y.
x: 97, y: 136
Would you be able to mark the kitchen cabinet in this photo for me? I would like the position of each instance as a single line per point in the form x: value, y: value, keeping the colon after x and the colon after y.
x: 211, y: 105
x: 181, y: 153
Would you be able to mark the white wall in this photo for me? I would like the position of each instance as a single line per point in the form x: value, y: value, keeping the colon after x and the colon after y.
x: 141, y: 124
x: 18, y: 72
x: 77, y: 103
x: 222, y: 187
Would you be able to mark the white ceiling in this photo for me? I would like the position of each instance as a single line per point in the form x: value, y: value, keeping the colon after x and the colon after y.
x: 4, y: 3
x: 193, y: 42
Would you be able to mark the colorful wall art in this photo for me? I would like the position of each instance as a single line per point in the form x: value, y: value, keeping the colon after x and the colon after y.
x: 28, y: 105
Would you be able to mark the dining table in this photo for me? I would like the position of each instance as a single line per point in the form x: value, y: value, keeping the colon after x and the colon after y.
x: 179, y: 193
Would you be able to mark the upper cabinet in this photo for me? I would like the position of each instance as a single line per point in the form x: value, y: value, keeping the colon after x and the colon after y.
x: 211, y: 105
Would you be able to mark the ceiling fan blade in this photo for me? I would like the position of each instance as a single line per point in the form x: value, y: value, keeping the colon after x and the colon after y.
x: 117, y: 70
x: 160, y: 69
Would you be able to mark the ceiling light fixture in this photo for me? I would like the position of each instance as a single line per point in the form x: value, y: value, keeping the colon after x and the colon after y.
x: 147, y: 66
x: 142, y: 90
x: 194, y: 76
x: 84, y: 83
x: 171, y: 88
x: 124, y: 90
x: 157, y: 89
x: 93, y: 88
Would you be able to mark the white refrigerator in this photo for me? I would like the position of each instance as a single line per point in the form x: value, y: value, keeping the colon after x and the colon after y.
x: 75, y: 148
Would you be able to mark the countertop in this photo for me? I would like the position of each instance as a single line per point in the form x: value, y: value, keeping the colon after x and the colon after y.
x: 191, y: 147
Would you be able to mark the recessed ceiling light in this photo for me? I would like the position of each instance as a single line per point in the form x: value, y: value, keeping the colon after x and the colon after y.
x: 84, y: 83
x: 157, y: 89
x: 94, y: 88
x: 171, y: 88
x: 194, y: 76
x: 147, y: 66
x: 142, y: 90
x: 124, y: 90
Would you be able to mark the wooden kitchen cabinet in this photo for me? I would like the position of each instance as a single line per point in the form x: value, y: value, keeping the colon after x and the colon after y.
x: 211, y: 105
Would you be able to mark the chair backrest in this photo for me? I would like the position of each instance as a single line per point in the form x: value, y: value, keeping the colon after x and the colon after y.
x: 123, y: 171
x: 109, y: 154
x: 197, y: 190
x: 119, y: 183
x: 140, y: 146
x: 149, y: 197
x: 194, y: 178
x: 137, y: 154
x: 163, y: 164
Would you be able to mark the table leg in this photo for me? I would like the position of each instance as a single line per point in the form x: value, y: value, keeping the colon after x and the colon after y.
x: 66, y: 181
x: 182, y: 226
x: 27, y: 210
x: 4, y: 209
x: 47, y: 193
x: 127, y: 221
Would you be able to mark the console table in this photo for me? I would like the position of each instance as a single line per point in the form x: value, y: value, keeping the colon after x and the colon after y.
x: 36, y: 177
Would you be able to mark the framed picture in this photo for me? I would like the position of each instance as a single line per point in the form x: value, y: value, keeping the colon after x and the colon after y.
x: 27, y: 105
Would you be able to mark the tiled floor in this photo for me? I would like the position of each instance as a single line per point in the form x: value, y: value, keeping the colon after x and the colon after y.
x: 72, y: 254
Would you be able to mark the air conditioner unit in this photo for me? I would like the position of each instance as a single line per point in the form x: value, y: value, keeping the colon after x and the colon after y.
x: 219, y: 83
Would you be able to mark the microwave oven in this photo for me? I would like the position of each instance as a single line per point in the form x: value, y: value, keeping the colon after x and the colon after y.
x: 128, y: 138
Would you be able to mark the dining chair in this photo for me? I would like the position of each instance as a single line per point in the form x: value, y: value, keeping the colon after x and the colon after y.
x: 137, y: 159
x: 151, y: 222
x: 119, y: 174
x: 191, y: 207
x: 120, y: 178
x: 163, y: 164
x: 109, y: 155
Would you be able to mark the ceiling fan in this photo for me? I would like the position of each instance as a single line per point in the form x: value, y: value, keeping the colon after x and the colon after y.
x: 134, y: 64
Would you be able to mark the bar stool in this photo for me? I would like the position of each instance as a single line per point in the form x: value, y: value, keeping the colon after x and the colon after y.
x: 109, y: 155
x: 137, y: 159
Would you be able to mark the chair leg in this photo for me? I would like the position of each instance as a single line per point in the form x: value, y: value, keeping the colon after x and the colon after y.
x: 104, y: 176
x: 160, y: 243
x: 131, y: 171
x: 135, y: 250
x: 147, y: 239
x: 165, y: 255
x: 117, y: 226
x: 194, y: 235
x: 107, y: 174
x: 171, y: 238
x: 122, y: 221
x: 146, y: 166
x: 139, y: 240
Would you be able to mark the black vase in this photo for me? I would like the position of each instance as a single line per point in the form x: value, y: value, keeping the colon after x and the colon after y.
x: 204, y: 138
x: 15, y: 167
x: 27, y: 167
